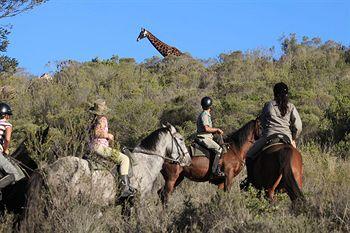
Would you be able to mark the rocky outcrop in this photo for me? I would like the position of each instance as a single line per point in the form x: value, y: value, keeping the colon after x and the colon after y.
x: 72, y: 178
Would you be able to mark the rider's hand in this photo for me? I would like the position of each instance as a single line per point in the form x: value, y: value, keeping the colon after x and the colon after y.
x: 294, y: 144
x: 219, y: 131
x: 110, y: 137
x: 7, y: 152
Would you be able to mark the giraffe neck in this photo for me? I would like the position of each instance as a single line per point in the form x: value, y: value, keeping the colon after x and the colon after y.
x: 162, y: 47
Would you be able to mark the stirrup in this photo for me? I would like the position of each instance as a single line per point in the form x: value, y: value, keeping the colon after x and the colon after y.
x: 218, y: 172
x: 127, y: 193
x: 122, y: 197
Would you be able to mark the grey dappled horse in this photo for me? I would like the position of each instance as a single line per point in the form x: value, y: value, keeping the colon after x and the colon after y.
x: 164, y: 144
x: 73, y: 176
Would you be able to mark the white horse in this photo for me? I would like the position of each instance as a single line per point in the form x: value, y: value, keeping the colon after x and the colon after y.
x: 71, y: 178
x: 163, y: 144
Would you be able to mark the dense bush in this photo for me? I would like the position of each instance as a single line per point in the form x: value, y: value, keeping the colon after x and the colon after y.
x: 143, y: 95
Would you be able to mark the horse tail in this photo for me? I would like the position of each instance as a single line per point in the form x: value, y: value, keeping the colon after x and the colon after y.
x: 36, y: 203
x: 288, y: 179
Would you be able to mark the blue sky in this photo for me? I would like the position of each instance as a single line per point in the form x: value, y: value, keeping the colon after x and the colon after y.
x: 83, y: 29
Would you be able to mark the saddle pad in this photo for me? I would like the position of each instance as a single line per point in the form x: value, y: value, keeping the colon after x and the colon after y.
x: 198, y: 150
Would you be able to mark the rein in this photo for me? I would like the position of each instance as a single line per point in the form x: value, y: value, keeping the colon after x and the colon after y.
x: 22, y: 166
x: 151, y: 153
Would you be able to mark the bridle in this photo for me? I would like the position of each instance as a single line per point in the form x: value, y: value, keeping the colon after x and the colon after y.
x: 174, y: 142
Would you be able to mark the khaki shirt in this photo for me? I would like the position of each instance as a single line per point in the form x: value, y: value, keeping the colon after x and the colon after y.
x: 273, y: 122
x: 204, y: 119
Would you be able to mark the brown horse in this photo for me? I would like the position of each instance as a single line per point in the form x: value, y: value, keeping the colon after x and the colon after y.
x: 278, y: 167
x: 232, y: 163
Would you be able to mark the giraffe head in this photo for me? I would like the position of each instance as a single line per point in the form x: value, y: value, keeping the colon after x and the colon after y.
x: 142, y: 34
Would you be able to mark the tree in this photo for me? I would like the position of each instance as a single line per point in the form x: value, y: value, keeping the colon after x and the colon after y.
x: 10, y: 8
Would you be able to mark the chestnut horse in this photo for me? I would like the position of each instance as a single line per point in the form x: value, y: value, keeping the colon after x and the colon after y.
x: 278, y: 167
x: 231, y: 162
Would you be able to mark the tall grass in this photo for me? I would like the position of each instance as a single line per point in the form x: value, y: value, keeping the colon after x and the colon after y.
x: 200, y: 207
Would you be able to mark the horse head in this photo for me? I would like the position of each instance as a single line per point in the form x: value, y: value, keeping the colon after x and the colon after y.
x: 177, y: 149
x: 245, y: 136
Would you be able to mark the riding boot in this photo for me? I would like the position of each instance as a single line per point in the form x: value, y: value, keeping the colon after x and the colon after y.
x: 216, y: 168
x: 127, y: 190
x: 7, y: 180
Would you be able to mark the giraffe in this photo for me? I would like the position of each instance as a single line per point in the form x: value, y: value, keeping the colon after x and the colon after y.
x: 162, y: 48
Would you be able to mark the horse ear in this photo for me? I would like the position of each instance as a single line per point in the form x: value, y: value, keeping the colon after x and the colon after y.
x: 172, y: 128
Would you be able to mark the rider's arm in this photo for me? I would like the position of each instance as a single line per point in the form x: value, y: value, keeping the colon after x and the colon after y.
x: 296, y: 125
x: 209, y: 129
x: 212, y: 130
x: 7, y: 139
x: 265, y: 115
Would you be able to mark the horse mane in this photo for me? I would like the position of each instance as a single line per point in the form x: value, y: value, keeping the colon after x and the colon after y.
x: 151, y: 141
x: 239, y: 137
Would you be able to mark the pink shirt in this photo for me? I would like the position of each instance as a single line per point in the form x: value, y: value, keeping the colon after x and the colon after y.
x: 4, y: 124
x: 101, y: 128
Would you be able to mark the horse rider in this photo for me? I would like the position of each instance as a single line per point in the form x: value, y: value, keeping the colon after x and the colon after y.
x: 13, y: 173
x: 205, y: 131
x: 278, y: 117
x: 99, y: 144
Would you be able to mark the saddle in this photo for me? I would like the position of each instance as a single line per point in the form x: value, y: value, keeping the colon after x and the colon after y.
x: 276, y: 139
x: 196, y: 149
x: 97, y: 162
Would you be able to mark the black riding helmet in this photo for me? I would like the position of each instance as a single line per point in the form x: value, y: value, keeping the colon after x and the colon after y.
x: 206, y: 102
x: 5, y: 109
x: 280, y: 89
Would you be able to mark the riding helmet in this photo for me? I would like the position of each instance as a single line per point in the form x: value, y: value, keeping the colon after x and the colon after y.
x: 5, y: 109
x: 280, y: 89
x: 206, y: 102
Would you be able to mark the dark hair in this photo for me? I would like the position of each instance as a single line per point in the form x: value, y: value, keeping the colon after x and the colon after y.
x: 280, y: 91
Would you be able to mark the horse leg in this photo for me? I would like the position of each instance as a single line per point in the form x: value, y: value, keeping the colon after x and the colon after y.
x: 167, y: 190
x: 229, y: 179
x: 172, y: 179
x: 126, y: 208
x: 298, y: 173
x: 271, y: 191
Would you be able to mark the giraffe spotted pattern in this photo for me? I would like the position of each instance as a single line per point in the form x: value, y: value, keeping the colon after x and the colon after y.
x: 162, y: 47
